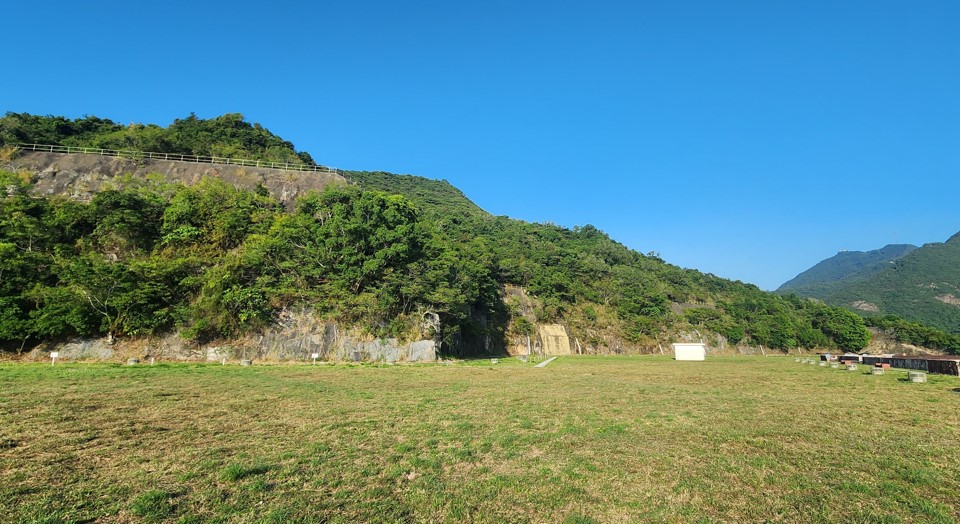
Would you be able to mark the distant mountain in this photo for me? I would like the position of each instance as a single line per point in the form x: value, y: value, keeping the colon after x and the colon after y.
x: 842, y: 268
x: 922, y: 285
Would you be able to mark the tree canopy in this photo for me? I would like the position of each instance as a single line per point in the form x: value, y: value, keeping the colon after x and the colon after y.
x: 228, y: 135
x: 215, y: 261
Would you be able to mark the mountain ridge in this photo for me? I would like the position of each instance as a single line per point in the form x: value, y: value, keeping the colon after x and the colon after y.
x: 844, y: 265
x: 921, y: 284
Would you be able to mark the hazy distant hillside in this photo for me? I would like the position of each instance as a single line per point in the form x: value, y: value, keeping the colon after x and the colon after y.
x: 923, y: 286
x: 842, y: 268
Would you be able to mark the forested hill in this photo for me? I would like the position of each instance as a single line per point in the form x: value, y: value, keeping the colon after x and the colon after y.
x: 610, y: 294
x: 842, y: 268
x: 923, y: 286
x: 917, y: 284
x: 213, y: 261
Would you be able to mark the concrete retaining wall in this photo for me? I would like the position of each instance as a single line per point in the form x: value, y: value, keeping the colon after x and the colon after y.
x: 295, y: 337
x: 81, y: 176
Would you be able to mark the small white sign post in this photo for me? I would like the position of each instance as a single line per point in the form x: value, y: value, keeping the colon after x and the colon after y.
x: 53, y: 357
x: 315, y: 356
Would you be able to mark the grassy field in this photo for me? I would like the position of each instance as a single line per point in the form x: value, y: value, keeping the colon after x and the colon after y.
x: 586, y: 439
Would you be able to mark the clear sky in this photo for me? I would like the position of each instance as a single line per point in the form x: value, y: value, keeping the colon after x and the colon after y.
x: 749, y: 139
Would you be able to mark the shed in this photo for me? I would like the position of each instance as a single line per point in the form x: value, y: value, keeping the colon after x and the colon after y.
x: 690, y: 351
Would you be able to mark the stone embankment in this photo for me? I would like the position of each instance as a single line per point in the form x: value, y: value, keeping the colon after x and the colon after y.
x: 80, y: 176
x: 295, y: 337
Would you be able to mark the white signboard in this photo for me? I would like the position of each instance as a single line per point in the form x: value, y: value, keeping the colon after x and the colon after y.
x: 691, y: 351
x: 54, y: 354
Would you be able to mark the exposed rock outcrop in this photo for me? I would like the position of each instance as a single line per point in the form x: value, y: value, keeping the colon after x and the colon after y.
x: 296, y: 337
x: 80, y: 176
x: 554, y: 339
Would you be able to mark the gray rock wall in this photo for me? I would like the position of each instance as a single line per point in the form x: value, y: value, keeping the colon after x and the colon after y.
x: 80, y: 176
x: 85, y: 349
x: 295, y: 337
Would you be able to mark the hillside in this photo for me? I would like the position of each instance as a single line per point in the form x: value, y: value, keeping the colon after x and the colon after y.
x: 843, y: 268
x: 918, y: 284
x: 611, y: 296
x: 434, y: 196
x: 213, y: 260
x: 923, y: 286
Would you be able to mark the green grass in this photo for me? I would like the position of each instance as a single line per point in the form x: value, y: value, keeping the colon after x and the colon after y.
x: 153, y: 506
x: 586, y: 439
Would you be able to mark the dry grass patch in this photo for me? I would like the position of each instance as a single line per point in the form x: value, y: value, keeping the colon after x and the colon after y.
x: 586, y: 439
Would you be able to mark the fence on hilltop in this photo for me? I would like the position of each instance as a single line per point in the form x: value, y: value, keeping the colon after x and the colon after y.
x: 141, y: 155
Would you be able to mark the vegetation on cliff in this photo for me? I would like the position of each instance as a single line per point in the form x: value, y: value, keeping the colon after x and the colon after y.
x: 215, y: 261
x: 227, y: 136
x: 915, y: 333
x: 588, y: 280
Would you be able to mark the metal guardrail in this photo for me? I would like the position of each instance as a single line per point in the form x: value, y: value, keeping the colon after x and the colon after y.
x: 139, y: 155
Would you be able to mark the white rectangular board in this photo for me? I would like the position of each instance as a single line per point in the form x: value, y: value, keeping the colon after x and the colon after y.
x: 690, y: 351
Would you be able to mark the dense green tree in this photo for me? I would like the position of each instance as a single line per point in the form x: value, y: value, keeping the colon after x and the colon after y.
x: 215, y: 215
x: 844, y: 327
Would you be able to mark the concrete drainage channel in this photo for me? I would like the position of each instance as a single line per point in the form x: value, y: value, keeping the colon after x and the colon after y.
x: 545, y: 362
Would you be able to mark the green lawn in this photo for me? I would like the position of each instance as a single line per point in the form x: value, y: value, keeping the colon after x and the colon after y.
x: 586, y: 439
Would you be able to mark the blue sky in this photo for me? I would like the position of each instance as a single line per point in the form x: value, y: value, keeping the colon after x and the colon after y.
x: 746, y: 139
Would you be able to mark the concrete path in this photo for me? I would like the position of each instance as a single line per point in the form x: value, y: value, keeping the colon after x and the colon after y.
x: 545, y: 362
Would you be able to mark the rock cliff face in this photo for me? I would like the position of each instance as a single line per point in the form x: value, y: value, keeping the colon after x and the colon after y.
x: 80, y: 176
x: 882, y: 343
x: 554, y: 339
x: 295, y: 337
